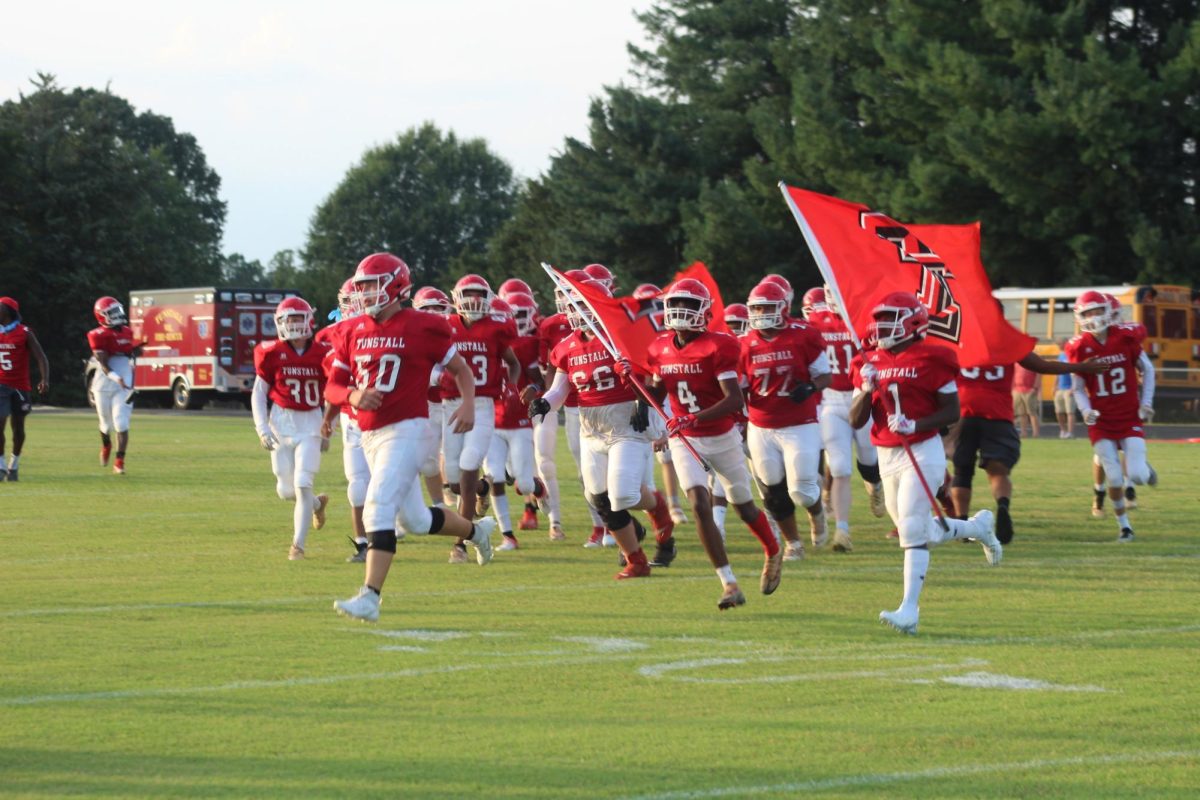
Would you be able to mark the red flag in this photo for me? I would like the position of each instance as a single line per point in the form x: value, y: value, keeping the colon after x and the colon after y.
x: 701, y: 273
x: 864, y: 255
x: 631, y: 324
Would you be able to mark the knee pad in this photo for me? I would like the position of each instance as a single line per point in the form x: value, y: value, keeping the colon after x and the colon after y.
x: 382, y: 540
x: 356, y: 492
x: 600, y: 503
x: 914, y: 530
x: 438, y: 521
x: 615, y: 520
x: 778, y: 501
x: 962, y: 480
x: 869, y: 472
x: 471, y: 457
x: 285, y: 491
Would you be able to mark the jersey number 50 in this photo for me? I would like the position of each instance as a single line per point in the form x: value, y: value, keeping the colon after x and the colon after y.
x: 385, y: 378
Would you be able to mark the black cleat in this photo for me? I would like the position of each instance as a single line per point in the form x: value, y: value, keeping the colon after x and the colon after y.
x: 12, y: 475
x: 664, y: 554
x: 1126, y: 535
x: 360, y: 552
x: 1004, y: 528
x: 1130, y: 497
x: 1098, y: 503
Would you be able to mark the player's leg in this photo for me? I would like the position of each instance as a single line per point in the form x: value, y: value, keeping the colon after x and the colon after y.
x: 571, y: 417
x: 599, y: 485
x: 694, y: 482
x: 766, y: 457
x: 21, y: 403
x: 495, y: 470
x: 431, y: 467
x: 358, y: 476
x: 307, y: 455
x: 867, y: 460
x: 999, y: 452
x: 4, y: 407
x: 545, y: 440
x: 1105, y: 451
x: 720, y: 503
x: 727, y: 459
x: 120, y: 415
x: 800, y: 445
x: 671, y: 486
x: 1137, y: 468
x: 910, y: 513
x: 103, y: 400
x: 966, y: 448
x: 474, y: 490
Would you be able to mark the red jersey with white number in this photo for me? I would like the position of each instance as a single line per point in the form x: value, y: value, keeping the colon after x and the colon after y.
x: 591, y: 370
x: 14, y: 358
x: 986, y: 392
x: 510, y: 411
x: 329, y: 336
x: 1113, y: 393
x: 395, y: 358
x: 909, y: 383
x: 113, y: 341
x: 297, y: 380
x: 839, y: 348
x: 552, y: 330
x: 772, y: 367
x: 692, y: 373
x: 481, y: 344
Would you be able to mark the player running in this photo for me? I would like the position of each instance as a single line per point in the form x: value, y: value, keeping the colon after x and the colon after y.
x: 907, y: 389
x: 16, y: 343
x: 1110, y: 403
x: 382, y: 368
x: 112, y: 384
x: 286, y: 405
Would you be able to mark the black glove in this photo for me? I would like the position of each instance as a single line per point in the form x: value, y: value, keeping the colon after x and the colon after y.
x: 640, y: 420
x: 803, y: 391
x: 539, y: 407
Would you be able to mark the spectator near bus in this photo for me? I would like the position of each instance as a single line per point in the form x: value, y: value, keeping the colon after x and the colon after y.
x: 1026, y: 402
x: 1064, y: 400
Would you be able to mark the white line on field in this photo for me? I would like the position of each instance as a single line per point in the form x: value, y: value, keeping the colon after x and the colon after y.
x: 660, y: 670
x: 121, y: 609
x: 883, y: 778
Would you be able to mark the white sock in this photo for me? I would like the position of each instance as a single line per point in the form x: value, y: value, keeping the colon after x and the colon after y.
x: 775, y: 529
x: 12, y: 461
x: 361, y: 540
x: 1099, y: 487
x: 719, y: 513
x: 843, y: 525
x: 597, y: 522
x: 726, y: 575
x: 302, y: 516
x: 959, y: 529
x: 916, y: 564
x: 500, y: 509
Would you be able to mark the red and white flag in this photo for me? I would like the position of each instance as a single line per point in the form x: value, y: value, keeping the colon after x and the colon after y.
x: 631, y: 325
x: 864, y: 255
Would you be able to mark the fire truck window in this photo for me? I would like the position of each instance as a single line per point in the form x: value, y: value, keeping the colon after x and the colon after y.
x: 1174, y: 323
x: 247, y: 323
x: 268, y: 325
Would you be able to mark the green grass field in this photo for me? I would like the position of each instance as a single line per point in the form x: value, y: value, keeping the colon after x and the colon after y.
x: 155, y: 641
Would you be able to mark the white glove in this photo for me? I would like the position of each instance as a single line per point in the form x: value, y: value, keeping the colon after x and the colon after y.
x: 269, y: 442
x: 869, y: 376
x: 1090, y: 416
x: 1146, y: 413
x: 898, y: 423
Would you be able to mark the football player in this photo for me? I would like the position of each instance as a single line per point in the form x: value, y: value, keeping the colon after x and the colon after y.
x: 289, y: 380
x: 112, y: 384
x: 16, y: 343
x: 485, y: 343
x: 525, y: 315
x: 434, y: 301
x: 838, y: 437
x: 737, y: 319
x: 613, y: 435
x: 784, y: 366
x: 602, y: 275
x: 698, y: 371
x: 382, y: 367
x: 1110, y: 403
x: 906, y: 387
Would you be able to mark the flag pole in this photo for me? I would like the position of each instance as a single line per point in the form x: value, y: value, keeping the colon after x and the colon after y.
x: 826, y: 269
x: 604, y: 339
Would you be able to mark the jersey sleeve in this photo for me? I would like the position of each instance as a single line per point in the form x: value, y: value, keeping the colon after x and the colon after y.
x: 260, y: 361
x: 726, y: 357
x: 946, y: 368
x: 97, y: 341
x: 440, y: 339
x: 1072, y: 350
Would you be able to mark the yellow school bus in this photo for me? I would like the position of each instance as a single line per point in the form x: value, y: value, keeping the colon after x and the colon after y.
x: 1171, y: 315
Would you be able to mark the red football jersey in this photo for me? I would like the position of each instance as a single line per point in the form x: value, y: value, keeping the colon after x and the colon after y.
x: 552, y: 330
x: 510, y: 412
x: 113, y: 341
x: 1113, y: 393
x: 692, y: 375
x: 481, y: 344
x: 909, y: 383
x: 297, y: 380
x: 591, y: 370
x: 395, y: 358
x: 773, y: 367
x: 986, y: 392
x: 14, y: 358
x: 839, y: 348
x: 329, y: 336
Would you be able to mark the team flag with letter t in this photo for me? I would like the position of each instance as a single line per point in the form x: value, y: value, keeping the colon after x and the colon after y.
x: 701, y: 273
x: 630, y: 325
x: 863, y: 255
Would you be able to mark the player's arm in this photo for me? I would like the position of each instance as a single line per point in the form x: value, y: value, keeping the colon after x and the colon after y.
x: 258, y: 409
x: 43, y: 363
x: 514, y: 365
x: 1035, y: 363
x: 331, y: 412
x: 947, y: 412
x: 864, y: 376
x: 463, y: 418
x: 102, y: 359
x: 731, y: 403
x: 553, y: 398
x: 1146, y: 400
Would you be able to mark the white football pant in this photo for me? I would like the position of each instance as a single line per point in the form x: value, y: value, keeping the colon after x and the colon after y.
x: 111, y: 408
x: 394, y: 456
x: 723, y: 454
x: 1135, y: 460
x: 432, y: 466
x: 790, y: 454
x: 838, y: 435
x: 354, y: 462
x: 466, y: 451
x: 512, y: 453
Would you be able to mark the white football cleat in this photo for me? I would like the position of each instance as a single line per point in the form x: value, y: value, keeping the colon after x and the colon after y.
x: 841, y: 541
x: 482, y: 540
x: 794, y: 551
x: 984, y: 523
x: 295, y: 553
x: 878, y: 504
x: 364, y: 606
x: 608, y: 540
x: 507, y: 544
x: 818, y: 531
x: 899, y: 621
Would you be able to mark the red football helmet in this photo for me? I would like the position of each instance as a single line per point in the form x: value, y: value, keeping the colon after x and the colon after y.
x: 767, y: 306
x: 500, y: 308
x: 737, y: 318
x: 601, y: 273
x: 514, y: 286
x: 380, y: 280
x: 560, y: 300
x: 1114, y: 309
x: 576, y: 318
x: 813, y: 301
x: 899, y: 318
x: 109, y: 312
x: 782, y: 283
x: 472, y: 297
x: 433, y: 300
x: 524, y: 309
x: 646, y: 291
x: 294, y: 319
x: 686, y: 305
x: 1094, y: 312
x: 344, y: 299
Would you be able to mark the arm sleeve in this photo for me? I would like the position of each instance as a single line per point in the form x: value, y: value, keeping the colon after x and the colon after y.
x: 258, y: 405
x: 556, y: 395
x: 1080, y: 391
x: 337, y: 388
x: 1147, y: 368
x: 819, y: 365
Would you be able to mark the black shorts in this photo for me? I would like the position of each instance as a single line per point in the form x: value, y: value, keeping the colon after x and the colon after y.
x: 993, y: 439
x: 14, y: 401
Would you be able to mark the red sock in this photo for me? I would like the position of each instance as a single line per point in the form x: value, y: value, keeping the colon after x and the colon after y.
x: 762, y: 531
x: 664, y: 526
x: 637, y: 558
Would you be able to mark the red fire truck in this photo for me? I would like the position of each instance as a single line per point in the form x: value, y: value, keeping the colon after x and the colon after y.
x: 199, y: 342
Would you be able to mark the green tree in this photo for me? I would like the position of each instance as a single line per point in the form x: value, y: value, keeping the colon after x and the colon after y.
x: 97, y: 199
x: 236, y: 270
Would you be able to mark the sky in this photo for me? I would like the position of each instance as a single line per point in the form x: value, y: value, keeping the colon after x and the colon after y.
x: 284, y: 97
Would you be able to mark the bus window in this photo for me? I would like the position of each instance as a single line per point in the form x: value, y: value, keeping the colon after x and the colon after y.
x: 1037, y: 321
x: 1012, y: 312
x: 1150, y: 319
x: 1064, y: 319
x: 1174, y: 323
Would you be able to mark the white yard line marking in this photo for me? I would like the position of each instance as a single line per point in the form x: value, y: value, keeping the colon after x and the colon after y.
x: 600, y: 644
x: 883, y: 778
x: 988, y: 680
x: 660, y: 670
x: 122, y: 609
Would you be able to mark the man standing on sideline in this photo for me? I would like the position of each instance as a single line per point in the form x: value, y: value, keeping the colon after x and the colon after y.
x: 112, y: 384
x: 16, y: 343
x: 1026, y: 401
x: 1064, y: 400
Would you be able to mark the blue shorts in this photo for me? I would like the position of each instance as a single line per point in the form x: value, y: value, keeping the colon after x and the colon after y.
x: 14, y: 401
